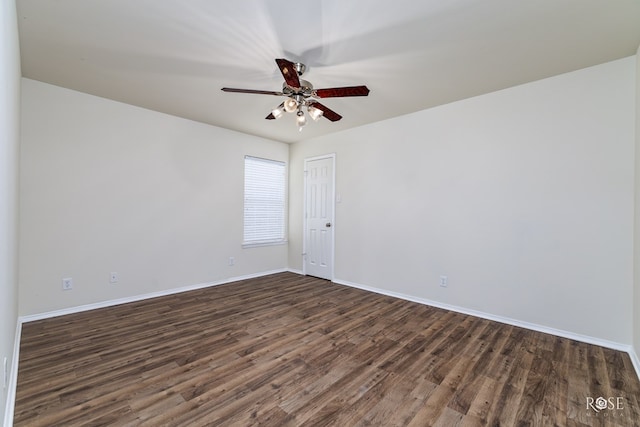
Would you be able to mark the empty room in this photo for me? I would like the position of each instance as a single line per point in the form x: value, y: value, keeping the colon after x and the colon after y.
x: 330, y: 213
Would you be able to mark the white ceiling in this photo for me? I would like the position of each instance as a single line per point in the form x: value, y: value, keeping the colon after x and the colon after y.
x: 174, y: 56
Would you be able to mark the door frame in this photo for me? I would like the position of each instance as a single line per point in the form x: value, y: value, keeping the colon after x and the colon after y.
x: 331, y: 156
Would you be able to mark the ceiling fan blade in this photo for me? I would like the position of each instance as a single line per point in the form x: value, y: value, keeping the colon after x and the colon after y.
x: 336, y: 92
x: 270, y: 117
x: 288, y: 70
x: 327, y: 112
x: 258, y: 92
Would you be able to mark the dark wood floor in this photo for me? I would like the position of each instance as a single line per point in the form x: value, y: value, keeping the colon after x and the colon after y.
x: 290, y: 350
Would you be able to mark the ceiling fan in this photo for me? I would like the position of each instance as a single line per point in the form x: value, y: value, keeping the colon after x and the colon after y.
x: 300, y: 94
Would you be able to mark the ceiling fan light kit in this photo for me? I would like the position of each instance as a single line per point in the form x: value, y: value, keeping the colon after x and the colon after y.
x: 301, y: 119
x: 278, y: 111
x: 290, y: 105
x: 314, y: 113
x: 300, y: 94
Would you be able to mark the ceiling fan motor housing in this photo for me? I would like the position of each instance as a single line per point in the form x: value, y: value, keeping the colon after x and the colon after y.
x: 305, y: 89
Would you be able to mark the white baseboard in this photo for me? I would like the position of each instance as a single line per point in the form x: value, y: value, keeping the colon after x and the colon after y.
x: 13, y: 379
x: 125, y: 300
x: 506, y: 320
x: 291, y: 270
x: 9, y: 412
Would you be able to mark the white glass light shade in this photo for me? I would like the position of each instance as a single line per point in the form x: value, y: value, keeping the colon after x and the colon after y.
x: 315, y: 113
x: 278, y: 112
x: 290, y: 105
x: 301, y: 119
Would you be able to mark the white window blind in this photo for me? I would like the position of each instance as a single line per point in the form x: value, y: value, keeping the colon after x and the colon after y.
x: 264, y: 201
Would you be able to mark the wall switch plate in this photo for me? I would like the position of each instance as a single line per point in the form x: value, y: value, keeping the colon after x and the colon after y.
x: 67, y: 283
x: 444, y: 281
x: 232, y: 261
x: 113, y: 277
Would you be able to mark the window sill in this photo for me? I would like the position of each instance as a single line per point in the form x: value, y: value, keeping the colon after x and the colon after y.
x: 260, y: 244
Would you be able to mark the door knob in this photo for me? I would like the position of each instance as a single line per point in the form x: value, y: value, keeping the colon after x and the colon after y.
x: 328, y: 224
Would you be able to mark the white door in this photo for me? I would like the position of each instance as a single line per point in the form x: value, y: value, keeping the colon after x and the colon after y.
x: 319, y: 212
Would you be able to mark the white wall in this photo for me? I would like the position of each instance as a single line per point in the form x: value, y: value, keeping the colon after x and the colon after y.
x: 9, y: 148
x: 636, y: 293
x: 522, y: 197
x: 107, y: 187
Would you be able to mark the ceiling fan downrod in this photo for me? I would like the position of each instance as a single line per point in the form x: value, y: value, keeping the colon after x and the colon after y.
x: 299, y: 67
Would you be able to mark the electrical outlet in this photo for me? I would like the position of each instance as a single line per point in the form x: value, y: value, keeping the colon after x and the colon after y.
x: 67, y: 283
x: 444, y: 281
x: 113, y: 277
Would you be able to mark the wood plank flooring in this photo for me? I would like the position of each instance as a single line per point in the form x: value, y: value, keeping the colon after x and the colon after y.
x: 290, y: 350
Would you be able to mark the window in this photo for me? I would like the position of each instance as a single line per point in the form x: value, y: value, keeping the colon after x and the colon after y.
x: 264, y: 201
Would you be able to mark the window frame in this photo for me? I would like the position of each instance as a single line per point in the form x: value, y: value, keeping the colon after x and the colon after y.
x: 283, y: 204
